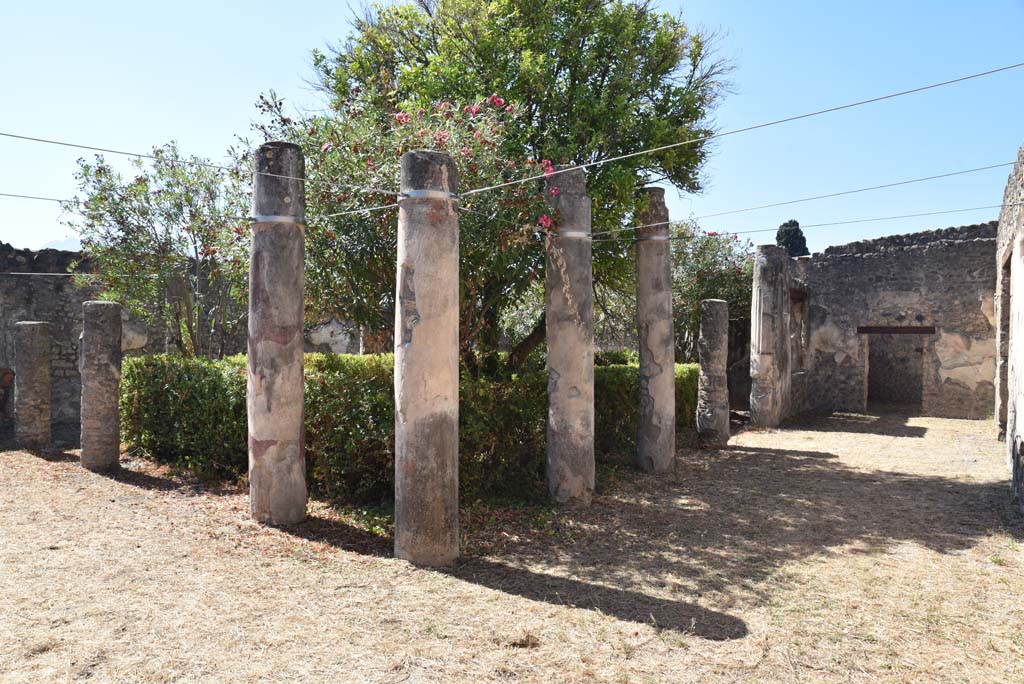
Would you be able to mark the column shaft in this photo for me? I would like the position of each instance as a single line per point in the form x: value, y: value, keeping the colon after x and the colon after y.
x: 569, y: 294
x: 427, y: 362
x: 277, y: 460
x: 32, y: 368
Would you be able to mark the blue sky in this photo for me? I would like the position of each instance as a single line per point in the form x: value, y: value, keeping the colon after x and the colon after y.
x: 131, y: 75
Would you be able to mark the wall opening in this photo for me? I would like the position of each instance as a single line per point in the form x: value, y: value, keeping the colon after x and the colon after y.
x: 896, y: 364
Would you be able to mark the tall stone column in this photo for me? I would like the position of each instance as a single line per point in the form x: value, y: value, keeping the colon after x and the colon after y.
x: 101, y: 380
x: 277, y: 458
x: 769, y: 337
x: 656, y: 436
x: 32, y: 416
x: 712, y: 384
x: 569, y: 297
x: 427, y: 362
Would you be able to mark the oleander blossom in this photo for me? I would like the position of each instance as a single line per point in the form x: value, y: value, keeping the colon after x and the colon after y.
x: 402, y: 118
x: 544, y: 221
x: 556, y: 191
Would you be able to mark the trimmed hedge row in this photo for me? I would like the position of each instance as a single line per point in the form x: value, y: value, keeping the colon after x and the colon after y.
x: 191, y: 413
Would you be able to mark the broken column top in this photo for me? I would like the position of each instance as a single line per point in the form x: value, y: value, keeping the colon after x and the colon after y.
x: 655, y: 216
x: 571, y: 181
x: 428, y: 170
x: 278, y: 185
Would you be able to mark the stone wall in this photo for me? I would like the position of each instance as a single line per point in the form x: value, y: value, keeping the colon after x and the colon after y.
x: 943, y: 279
x: 1009, y: 312
x: 54, y: 299
x: 940, y: 284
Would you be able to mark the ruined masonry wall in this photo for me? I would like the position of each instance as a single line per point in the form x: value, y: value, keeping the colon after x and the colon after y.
x: 54, y: 299
x: 941, y: 278
x: 1010, y: 314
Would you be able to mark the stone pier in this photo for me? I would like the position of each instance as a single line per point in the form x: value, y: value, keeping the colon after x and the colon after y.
x: 569, y: 297
x: 277, y: 460
x: 101, y: 379
x: 427, y: 362
x: 656, y: 436
x: 769, y: 337
x: 32, y: 367
x: 712, y: 384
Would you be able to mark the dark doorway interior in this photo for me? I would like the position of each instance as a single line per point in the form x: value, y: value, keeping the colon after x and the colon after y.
x: 895, y: 369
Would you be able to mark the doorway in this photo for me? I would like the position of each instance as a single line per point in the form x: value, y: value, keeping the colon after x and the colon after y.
x: 896, y: 364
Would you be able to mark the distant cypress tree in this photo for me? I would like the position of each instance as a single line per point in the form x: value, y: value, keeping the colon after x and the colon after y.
x: 792, y: 238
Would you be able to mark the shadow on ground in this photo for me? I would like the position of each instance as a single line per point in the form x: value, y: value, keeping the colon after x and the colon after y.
x: 890, y: 420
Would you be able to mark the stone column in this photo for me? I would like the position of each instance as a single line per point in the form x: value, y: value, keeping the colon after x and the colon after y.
x: 769, y: 337
x: 656, y: 436
x: 277, y: 459
x: 427, y: 362
x: 569, y: 297
x: 32, y: 349
x: 712, y: 384
x: 101, y: 379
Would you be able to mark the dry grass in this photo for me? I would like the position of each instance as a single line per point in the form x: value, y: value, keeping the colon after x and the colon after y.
x: 847, y: 549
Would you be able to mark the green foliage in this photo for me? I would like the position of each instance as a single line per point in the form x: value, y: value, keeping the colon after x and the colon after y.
x: 587, y: 81
x: 168, y: 244
x: 350, y: 257
x: 707, y: 265
x: 191, y: 413
x: 186, y: 412
x: 617, y: 407
x: 792, y: 238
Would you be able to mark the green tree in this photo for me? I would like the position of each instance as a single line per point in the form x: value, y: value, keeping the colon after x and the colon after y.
x: 170, y: 243
x: 707, y: 265
x: 589, y: 79
x: 792, y: 238
x: 352, y: 163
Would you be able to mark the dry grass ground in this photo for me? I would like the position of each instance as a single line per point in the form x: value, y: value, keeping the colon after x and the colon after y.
x: 844, y: 549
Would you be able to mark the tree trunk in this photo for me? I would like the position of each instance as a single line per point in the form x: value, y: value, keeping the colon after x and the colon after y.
x: 521, y: 351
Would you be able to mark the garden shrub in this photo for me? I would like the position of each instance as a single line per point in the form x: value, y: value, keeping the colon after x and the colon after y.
x: 191, y: 413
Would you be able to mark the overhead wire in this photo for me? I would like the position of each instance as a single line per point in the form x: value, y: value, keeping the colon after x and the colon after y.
x: 745, y: 129
x: 190, y: 162
x: 821, y: 225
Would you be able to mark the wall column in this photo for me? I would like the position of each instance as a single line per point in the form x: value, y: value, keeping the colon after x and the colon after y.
x: 427, y: 361
x: 274, y: 393
x: 656, y: 436
x: 712, y: 383
x: 101, y: 379
x: 32, y: 414
x: 769, y: 337
x: 569, y: 299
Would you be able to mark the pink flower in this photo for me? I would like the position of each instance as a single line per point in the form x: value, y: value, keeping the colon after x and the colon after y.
x: 466, y: 152
x: 556, y: 191
x: 496, y: 101
x: 422, y: 132
x: 544, y: 221
x: 422, y: 111
x: 326, y: 147
x: 475, y: 109
x: 402, y: 118
x: 549, y: 171
x: 441, y: 137
x: 712, y: 234
x: 509, y: 108
x: 467, y: 109
x: 478, y: 135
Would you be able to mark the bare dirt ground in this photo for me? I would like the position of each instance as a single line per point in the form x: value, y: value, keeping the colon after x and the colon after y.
x: 844, y: 549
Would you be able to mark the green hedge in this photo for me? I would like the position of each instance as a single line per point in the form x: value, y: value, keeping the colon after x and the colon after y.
x: 191, y: 413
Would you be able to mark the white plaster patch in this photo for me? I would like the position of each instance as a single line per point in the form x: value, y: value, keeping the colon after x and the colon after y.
x: 988, y: 307
x: 966, y: 360
x: 334, y: 334
x: 829, y: 339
